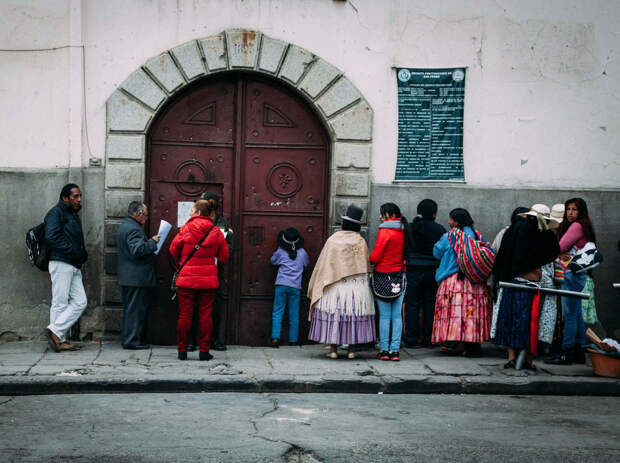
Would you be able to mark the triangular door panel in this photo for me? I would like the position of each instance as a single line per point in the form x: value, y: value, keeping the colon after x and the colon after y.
x: 204, y: 116
x: 273, y: 117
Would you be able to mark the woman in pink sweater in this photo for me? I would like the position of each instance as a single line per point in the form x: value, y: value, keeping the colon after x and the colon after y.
x: 575, y: 231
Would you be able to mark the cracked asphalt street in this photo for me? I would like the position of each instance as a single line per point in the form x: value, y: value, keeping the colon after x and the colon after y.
x: 226, y: 427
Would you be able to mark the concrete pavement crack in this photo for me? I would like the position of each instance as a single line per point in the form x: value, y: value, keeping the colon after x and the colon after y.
x: 27, y: 372
x: 98, y: 354
x: 7, y: 401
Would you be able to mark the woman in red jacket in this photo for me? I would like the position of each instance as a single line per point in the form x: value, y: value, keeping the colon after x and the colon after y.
x: 198, y: 278
x: 388, y: 256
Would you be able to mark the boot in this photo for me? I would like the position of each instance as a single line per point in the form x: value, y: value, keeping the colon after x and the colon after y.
x: 565, y: 357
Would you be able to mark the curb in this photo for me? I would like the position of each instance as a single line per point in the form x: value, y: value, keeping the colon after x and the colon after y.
x: 568, y: 386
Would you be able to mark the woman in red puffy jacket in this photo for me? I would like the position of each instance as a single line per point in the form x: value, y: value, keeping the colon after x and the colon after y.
x: 198, y: 278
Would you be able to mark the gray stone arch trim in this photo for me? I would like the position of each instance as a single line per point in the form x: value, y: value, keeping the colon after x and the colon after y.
x: 133, y: 106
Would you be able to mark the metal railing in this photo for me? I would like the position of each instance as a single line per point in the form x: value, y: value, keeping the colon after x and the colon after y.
x: 543, y: 292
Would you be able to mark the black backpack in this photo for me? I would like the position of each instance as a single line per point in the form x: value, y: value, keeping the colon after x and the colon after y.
x: 37, y: 247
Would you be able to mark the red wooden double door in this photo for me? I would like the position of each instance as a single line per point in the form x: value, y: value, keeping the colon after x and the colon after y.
x: 264, y: 152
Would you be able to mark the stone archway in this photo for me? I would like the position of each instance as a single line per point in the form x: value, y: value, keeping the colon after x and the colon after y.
x: 132, y: 107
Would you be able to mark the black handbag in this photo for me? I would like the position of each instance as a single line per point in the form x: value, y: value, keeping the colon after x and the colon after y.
x: 173, y: 283
x: 388, y: 286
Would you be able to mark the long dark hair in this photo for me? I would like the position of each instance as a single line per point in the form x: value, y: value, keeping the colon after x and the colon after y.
x: 427, y: 210
x: 583, y: 218
x: 462, y: 218
x: 391, y: 209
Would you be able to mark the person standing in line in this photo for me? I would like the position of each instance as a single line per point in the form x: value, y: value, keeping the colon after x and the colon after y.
x: 217, y: 339
x: 575, y: 231
x: 198, y: 279
x: 291, y: 259
x: 67, y: 254
x: 341, y: 303
x: 527, y: 246
x: 388, y: 256
x: 421, y: 267
x: 136, y: 273
x: 462, y: 315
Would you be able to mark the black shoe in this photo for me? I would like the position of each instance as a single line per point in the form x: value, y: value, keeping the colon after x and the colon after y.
x: 275, y: 342
x: 205, y: 356
x: 217, y: 345
x: 191, y: 347
x: 137, y: 346
x: 293, y: 343
x: 182, y: 355
x: 563, y: 358
x: 580, y: 355
x: 509, y: 364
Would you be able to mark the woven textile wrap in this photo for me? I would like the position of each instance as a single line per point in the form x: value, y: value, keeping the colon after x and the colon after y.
x: 475, y: 257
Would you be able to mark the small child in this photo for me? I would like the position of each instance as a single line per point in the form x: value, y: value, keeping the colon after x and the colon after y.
x: 291, y: 259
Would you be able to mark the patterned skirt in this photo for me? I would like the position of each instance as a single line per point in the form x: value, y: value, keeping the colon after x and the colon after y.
x: 513, y: 319
x: 462, y: 311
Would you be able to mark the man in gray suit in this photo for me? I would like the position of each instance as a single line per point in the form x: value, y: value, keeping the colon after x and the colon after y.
x: 136, y: 273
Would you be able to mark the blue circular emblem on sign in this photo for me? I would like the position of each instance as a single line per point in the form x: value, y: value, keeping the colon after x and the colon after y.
x: 404, y: 75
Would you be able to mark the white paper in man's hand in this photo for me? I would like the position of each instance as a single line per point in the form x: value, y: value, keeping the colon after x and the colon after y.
x: 164, y: 229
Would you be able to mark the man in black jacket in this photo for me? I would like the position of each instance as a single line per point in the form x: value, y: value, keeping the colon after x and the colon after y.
x: 136, y: 273
x: 65, y: 241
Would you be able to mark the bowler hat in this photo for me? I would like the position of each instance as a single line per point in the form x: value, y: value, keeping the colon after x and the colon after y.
x: 354, y: 214
x: 290, y: 239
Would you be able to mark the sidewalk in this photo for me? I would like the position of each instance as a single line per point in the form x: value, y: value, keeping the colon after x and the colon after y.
x: 31, y: 368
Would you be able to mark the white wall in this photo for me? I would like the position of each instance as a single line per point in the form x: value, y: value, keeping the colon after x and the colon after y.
x: 542, y: 89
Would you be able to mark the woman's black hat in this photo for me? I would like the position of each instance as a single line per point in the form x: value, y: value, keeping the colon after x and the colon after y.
x: 354, y: 214
x: 290, y: 239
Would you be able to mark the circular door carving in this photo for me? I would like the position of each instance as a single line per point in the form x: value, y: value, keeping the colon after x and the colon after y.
x: 189, y: 177
x: 284, y: 180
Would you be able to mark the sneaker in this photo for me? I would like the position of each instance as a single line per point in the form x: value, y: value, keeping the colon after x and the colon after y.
x: 332, y: 355
x: 275, y: 343
x: 182, y: 355
x: 351, y: 354
x: 395, y: 356
x: 383, y: 355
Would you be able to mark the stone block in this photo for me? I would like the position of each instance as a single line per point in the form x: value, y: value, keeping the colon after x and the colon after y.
x: 352, y: 184
x: 125, y: 147
x: 340, y: 95
x: 242, y: 48
x: 318, y: 77
x: 110, y: 228
x: 353, y: 124
x: 271, y: 54
x: 125, y: 114
x: 113, y: 293
x: 166, y: 72
x: 110, y: 262
x: 214, y: 50
x: 140, y: 85
x: 124, y: 176
x: 355, y: 155
x: 116, y: 202
x: 113, y: 319
x: 340, y: 209
x: 189, y: 58
x: 296, y: 61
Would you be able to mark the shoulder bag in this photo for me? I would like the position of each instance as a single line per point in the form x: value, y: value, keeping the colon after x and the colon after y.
x: 173, y: 283
x: 388, y: 286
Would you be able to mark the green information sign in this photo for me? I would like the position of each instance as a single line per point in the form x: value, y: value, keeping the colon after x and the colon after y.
x: 430, y: 124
